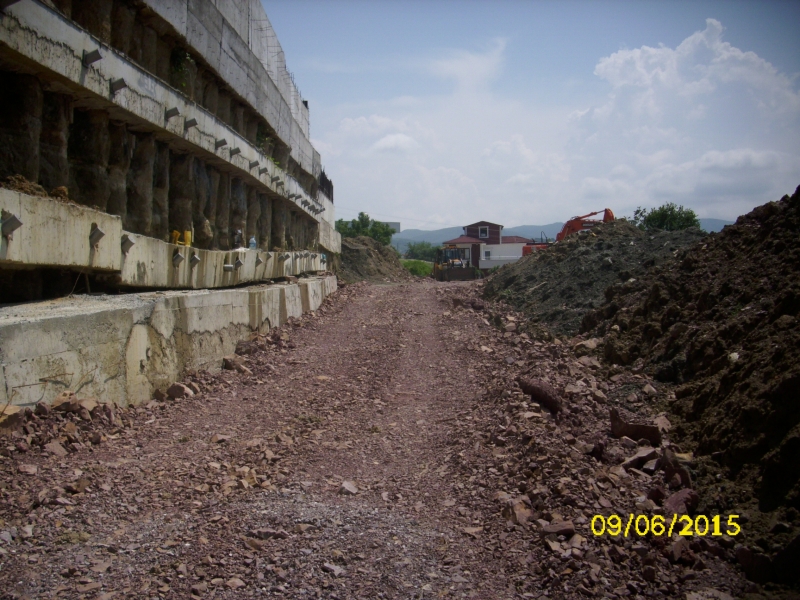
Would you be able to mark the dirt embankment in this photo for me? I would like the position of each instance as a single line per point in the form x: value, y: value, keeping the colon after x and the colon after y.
x: 721, y: 322
x: 366, y: 259
x: 558, y: 286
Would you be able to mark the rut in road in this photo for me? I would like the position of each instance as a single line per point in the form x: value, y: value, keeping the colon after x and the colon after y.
x: 367, y: 393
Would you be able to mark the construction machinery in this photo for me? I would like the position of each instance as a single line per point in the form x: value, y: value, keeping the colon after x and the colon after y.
x: 530, y: 247
x: 584, y: 223
x: 450, y: 265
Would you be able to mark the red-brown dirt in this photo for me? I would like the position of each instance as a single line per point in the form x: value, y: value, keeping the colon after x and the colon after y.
x: 380, y: 448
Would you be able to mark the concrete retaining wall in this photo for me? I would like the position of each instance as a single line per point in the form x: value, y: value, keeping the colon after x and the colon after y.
x: 56, y: 234
x: 121, y: 348
x: 33, y: 34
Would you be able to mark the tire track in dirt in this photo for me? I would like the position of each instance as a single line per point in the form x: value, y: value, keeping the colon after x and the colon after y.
x: 234, y: 492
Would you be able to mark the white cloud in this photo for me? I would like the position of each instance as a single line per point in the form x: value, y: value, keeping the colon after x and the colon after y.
x: 470, y: 69
x: 371, y: 125
x: 704, y: 124
x: 698, y: 67
x: 395, y: 142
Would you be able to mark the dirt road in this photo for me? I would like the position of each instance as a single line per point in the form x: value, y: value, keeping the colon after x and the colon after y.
x: 360, y: 459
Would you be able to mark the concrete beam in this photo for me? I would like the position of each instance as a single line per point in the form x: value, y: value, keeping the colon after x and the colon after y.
x: 57, y: 234
x: 124, y: 347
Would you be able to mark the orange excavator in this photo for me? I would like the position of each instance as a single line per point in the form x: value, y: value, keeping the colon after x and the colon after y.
x: 584, y: 223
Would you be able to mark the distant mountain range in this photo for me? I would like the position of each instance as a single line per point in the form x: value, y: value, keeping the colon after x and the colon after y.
x: 535, y: 232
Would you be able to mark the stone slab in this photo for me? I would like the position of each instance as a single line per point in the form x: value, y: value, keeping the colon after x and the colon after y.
x: 56, y: 234
x: 121, y: 348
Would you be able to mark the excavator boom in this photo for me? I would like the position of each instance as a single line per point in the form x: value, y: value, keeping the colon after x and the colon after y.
x: 576, y: 224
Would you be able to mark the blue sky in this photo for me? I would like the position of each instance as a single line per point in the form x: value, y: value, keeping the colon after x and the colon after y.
x: 442, y: 113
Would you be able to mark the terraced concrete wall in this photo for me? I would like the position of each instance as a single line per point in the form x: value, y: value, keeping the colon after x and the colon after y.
x: 121, y: 348
x: 58, y: 234
x: 188, y: 121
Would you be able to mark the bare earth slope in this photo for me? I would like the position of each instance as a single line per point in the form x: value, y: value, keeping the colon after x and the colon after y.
x: 364, y: 259
x: 722, y: 321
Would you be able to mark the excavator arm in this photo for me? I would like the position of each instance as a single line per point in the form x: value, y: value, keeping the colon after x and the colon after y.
x: 576, y: 224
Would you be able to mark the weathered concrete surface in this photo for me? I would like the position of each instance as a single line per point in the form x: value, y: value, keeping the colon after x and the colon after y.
x: 291, y: 303
x: 36, y: 33
x: 56, y: 233
x: 122, y: 347
x: 149, y: 263
x: 311, y: 294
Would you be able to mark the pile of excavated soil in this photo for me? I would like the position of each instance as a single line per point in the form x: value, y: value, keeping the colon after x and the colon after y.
x: 721, y: 321
x: 366, y: 259
x: 18, y: 183
x: 559, y: 285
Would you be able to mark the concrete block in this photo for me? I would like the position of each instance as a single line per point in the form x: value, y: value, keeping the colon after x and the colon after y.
x: 311, y: 294
x: 121, y: 348
x: 57, y: 234
x: 329, y: 285
x: 291, y: 303
x: 265, y: 308
x: 329, y: 238
x: 149, y: 263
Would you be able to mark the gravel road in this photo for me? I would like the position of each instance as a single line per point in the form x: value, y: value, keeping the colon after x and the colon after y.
x: 360, y: 457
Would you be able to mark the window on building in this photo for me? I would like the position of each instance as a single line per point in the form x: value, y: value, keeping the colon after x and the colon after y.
x: 483, y: 232
x: 487, y: 254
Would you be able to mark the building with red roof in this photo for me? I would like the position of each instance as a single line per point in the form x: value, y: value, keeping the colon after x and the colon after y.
x: 483, y: 245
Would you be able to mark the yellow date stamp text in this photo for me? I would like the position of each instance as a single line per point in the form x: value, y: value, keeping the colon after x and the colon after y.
x: 659, y: 525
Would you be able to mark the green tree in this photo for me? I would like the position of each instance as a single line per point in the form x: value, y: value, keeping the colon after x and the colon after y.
x: 363, y: 225
x: 421, y: 251
x: 667, y: 216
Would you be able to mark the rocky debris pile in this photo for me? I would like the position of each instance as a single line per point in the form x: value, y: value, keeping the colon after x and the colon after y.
x: 366, y: 259
x: 557, y: 286
x: 721, y: 322
x: 601, y: 450
x: 69, y: 424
